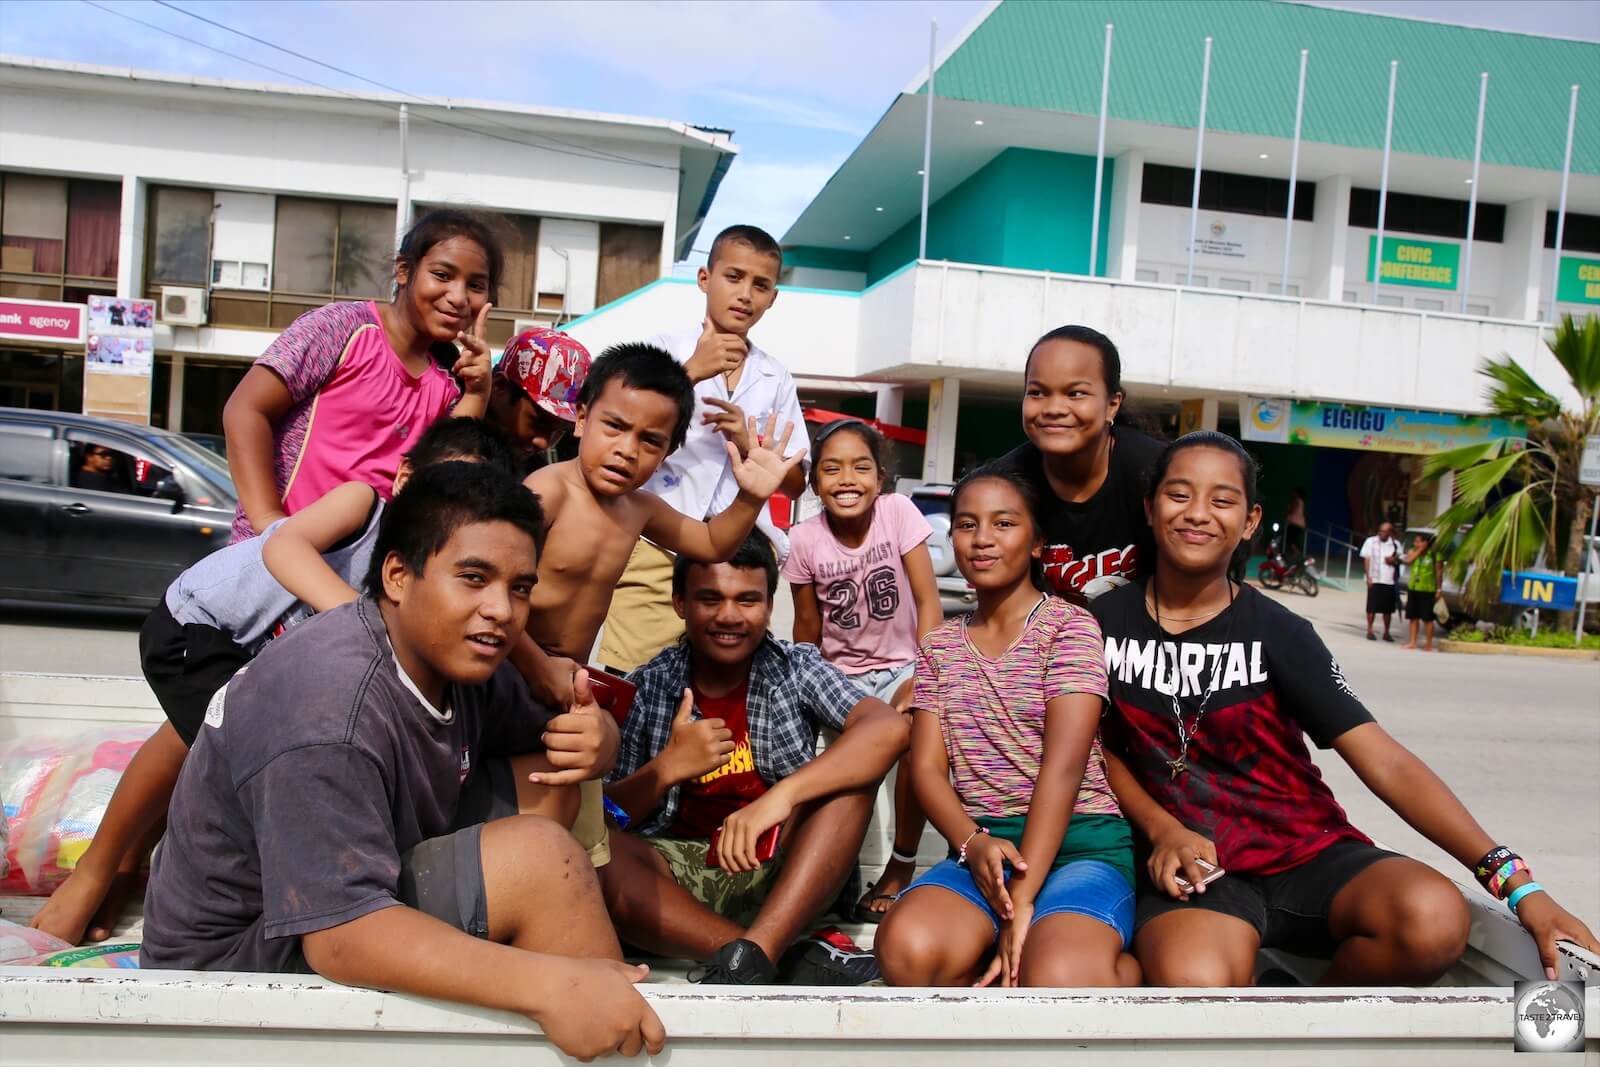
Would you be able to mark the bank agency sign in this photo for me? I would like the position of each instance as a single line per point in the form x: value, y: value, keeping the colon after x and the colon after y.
x: 1365, y: 428
x: 1427, y: 264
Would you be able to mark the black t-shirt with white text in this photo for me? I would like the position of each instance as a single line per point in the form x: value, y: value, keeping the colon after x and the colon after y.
x: 1103, y: 542
x: 1250, y: 784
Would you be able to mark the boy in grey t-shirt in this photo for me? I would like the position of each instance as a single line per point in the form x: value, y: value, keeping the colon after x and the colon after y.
x: 339, y: 811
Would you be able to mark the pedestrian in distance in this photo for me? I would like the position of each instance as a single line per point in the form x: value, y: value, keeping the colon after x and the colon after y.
x: 1422, y: 589
x: 1380, y: 554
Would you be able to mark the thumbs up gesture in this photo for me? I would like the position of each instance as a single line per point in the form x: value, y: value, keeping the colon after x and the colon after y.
x: 697, y: 746
x: 581, y: 743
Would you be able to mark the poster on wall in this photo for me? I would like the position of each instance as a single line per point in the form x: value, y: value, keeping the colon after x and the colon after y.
x: 1578, y: 281
x: 119, y: 358
x: 1221, y: 240
x: 1368, y: 429
x: 1428, y: 264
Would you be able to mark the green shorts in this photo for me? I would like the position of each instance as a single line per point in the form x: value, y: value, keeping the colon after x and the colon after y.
x: 736, y: 897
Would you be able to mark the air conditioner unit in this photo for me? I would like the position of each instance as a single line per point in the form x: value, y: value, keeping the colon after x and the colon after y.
x: 182, y: 305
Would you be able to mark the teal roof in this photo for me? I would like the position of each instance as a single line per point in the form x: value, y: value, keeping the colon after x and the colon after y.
x: 1047, y: 56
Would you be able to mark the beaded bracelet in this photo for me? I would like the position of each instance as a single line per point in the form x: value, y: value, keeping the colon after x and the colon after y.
x: 961, y: 853
x: 1497, y: 881
x: 1521, y: 891
x: 1491, y: 862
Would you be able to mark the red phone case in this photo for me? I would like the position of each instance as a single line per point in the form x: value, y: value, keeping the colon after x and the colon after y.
x: 766, y: 846
x: 612, y: 693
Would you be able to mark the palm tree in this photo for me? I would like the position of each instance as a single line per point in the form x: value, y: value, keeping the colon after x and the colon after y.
x: 1521, y: 494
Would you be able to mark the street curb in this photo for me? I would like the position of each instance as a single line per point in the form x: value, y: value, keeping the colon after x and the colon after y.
x: 1485, y: 648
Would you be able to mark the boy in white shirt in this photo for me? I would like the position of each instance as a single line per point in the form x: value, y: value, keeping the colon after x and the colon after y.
x: 734, y: 379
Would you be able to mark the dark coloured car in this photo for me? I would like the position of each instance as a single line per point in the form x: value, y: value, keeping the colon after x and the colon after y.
x: 94, y: 511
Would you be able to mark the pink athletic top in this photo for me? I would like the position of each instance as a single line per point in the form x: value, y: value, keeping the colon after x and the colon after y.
x: 356, y: 408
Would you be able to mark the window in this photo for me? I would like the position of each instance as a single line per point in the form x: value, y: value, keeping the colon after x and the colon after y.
x: 180, y: 236
x: 1145, y: 274
x: 1244, y: 194
x: 1199, y: 281
x: 1481, y: 310
x: 59, y: 238
x: 1430, y: 215
x: 1351, y: 297
x: 1425, y: 303
x: 1274, y: 287
x: 1581, y: 233
x: 27, y: 453
x: 1389, y: 301
x: 1238, y: 285
x: 97, y: 465
x: 333, y: 248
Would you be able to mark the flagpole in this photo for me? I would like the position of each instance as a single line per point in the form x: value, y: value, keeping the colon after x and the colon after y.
x: 1472, y: 201
x: 1199, y: 152
x: 1561, y: 212
x: 927, y: 140
x: 1294, y: 172
x: 1383, y: 185
x: 1100, y: 159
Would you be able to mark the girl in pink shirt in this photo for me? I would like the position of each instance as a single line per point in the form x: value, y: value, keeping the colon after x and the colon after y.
x: 348, y: 388
x: 864, y: 591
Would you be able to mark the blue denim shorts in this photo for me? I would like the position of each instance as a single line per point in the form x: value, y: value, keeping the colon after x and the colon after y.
x: 1083, y: 887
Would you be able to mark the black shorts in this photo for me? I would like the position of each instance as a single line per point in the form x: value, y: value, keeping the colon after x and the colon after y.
x: 443, y: 876
x: 1289, y: 910
x: 1419, y: 604
x: 1380, y: 599
x: 185, y: 666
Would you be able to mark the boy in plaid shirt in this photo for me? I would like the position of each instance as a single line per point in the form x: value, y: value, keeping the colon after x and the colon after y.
x: 721, y: 740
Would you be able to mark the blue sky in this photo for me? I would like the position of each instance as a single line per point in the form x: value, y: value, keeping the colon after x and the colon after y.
x: 799, y: 81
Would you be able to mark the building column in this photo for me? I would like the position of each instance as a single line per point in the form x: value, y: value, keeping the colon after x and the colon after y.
x: 1522, y: 261
x: 130, y: 237
x: 669, y: 229
x: 1330, y: 235
x: 175, y: 394
x: 891, y: 404
x: 939, y: 455
x: 1122, y: 236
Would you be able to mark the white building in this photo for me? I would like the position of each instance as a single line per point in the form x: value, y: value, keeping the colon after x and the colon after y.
x: 248, y: 204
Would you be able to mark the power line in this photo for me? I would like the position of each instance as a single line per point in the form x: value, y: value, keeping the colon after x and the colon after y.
x: 597, y: 153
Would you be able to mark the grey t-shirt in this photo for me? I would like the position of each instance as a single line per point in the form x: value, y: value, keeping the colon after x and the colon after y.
x: 316, y: 770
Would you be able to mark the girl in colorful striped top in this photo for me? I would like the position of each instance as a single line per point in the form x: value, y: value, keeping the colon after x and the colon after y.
x: 1006, y: 760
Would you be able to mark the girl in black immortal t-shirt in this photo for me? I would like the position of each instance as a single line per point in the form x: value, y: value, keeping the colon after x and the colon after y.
x: 1213, y: 688
x: 1090, y: 474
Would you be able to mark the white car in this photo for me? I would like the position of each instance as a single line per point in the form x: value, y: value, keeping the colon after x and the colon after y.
x: 933, y: 500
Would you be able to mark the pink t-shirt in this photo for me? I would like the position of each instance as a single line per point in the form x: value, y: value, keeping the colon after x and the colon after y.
x: 356, y: 408
x: 869, y: 617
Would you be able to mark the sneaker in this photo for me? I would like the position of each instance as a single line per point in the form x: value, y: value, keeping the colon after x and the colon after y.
x: 739, y: 962
x: 829, y: 958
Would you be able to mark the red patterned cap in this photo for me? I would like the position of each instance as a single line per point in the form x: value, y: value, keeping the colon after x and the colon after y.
x: 549, y: 366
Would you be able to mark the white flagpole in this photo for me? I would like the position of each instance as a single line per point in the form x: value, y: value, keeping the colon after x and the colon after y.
x: 1294, y: 173
x: 1383, y: 185
x: 927, y: 140
x: 1561, y: 212
x: 1100, y: 159
x: 1199, y: 152
x: 1472, y: 201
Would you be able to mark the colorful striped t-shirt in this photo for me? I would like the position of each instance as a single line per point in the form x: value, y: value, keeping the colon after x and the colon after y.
x: 991, y: 711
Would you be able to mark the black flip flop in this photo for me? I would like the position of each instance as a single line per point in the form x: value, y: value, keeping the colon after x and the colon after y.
x: 865, y: 914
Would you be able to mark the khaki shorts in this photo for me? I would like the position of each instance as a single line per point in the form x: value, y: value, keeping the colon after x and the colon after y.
x: 641, y: 621
x: 736, y: 897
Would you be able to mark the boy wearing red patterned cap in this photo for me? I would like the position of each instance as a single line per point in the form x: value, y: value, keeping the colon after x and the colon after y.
x: 536, y: 383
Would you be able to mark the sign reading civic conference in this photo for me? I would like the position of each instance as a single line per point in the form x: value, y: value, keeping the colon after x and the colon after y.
x: 39, y: 320
x: 1578, y: 281
x: 1429, y: 264
x: 1368, y: 429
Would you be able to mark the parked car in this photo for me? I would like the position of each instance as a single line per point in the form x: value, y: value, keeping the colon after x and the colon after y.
x: 100, y: 512
x: 933, y: 500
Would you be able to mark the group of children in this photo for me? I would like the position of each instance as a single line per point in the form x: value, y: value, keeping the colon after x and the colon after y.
x: 384, y: 754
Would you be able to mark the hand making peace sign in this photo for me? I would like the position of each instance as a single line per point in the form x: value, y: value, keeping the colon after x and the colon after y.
x: 474, y: 365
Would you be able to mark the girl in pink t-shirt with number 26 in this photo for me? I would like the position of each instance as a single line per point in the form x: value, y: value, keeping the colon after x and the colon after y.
x: 348, y: 388
x: 864, y: 591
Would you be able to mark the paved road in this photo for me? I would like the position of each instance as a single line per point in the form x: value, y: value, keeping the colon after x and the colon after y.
x: 1517, y: 738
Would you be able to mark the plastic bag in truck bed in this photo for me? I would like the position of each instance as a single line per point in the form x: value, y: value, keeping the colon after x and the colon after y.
x: 55, y: 791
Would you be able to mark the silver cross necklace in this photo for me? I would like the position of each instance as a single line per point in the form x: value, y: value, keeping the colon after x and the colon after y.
x: 1186, y: 733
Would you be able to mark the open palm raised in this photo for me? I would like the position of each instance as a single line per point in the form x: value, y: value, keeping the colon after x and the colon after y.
x: 762, y: 471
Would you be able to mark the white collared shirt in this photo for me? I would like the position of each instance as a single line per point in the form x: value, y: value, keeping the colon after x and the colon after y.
x: 697, y: 479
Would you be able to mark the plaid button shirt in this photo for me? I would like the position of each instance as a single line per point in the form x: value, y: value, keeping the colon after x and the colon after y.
x: 793, y: 693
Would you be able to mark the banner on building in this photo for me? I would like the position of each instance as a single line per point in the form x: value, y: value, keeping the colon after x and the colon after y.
x: 1578, y: 281
x: 1429, y: 264
x: 41, y: 320
x: 1367, y: 429
x: 119, y: 358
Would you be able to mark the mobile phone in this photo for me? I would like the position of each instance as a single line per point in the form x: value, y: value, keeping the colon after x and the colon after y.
x: 1212, y: 873
x: 766, y: 846
x: 611, y: 693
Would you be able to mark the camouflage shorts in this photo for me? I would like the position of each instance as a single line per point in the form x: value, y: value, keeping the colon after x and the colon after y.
x: 736, y: 897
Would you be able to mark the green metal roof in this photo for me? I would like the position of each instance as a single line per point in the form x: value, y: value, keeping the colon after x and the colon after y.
x: 1047, y: 56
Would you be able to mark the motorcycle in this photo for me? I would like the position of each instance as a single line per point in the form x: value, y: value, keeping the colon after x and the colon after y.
x: 1276, y: 570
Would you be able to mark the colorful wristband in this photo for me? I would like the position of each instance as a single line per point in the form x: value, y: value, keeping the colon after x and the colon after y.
x: 1491, y: 862
x: 1521, y: 891
x: 961, y: 857
x: 1498, y: 880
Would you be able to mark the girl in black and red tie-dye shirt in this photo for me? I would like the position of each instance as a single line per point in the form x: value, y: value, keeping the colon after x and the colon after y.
x: 1214, y: 689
